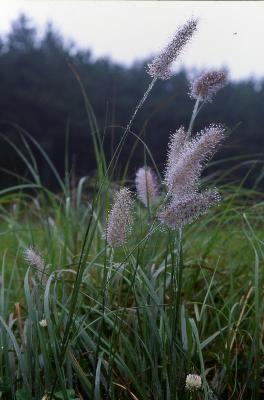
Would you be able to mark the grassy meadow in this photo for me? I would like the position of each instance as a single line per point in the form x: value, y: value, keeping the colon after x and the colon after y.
x: 99, y: 321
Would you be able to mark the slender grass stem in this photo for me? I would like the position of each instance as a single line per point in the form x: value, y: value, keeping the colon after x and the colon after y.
x: 78, y: 278
x: 194, y: 115
x: 179, y: 277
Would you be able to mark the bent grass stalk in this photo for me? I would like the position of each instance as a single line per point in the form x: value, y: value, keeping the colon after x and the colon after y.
x: 79, y: 269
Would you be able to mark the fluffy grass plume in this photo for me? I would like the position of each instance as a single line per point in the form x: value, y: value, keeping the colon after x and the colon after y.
x: 207, y: 85
x: 146, y: 185
x: 186, y: 161
x: 184, y: 211
x: 161, y: 65
x: 120, y: 218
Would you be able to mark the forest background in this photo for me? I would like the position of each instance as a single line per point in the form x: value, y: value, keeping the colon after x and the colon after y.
x: 40, y: 93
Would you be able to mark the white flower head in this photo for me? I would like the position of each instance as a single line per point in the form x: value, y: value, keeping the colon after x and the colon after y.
x: 43, y: 323
x: 193, y: 382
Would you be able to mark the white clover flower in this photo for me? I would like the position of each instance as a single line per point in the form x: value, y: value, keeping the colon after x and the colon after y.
x: 193, y: 382
x: 43, y: 323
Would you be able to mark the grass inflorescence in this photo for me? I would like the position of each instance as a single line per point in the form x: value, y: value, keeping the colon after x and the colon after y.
x: 114, y: 292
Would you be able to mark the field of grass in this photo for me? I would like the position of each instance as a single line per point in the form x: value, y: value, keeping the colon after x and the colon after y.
x: 83, y: 318
x: 125, y: 333
x: 121, y: 342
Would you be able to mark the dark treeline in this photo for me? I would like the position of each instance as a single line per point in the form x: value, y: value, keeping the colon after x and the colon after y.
x: 40, y: 93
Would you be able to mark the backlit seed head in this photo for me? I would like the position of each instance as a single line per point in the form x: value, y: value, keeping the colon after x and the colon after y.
x: 120, y: 218
x: 207, y: 85
x: 186, y: 160
x: 146, y: 185
x: 33, y: 257
x: 176, y: 145
x: 181, y: 212
x: 161, y: 65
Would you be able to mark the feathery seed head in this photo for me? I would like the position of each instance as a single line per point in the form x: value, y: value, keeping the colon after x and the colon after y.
x: 181, y: 212
x: 207, y: 85
x: 160, y: 66
x: 120, y: 218
x: 176, y: 143
x: 33, y: 257
x: 146, y: 185
x: 193, y: 382
x: 183, y: 173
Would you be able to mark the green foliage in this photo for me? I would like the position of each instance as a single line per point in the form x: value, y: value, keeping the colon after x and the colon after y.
x: 123, y: 339
x: 132, y: 322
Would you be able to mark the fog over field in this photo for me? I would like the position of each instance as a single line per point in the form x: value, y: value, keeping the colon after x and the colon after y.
x: 131, y: 30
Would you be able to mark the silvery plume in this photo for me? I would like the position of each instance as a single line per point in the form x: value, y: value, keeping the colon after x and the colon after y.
x: 34, y: 258
x: 186, y: 159
x: 183, y: 211
x: 120, y: 218
x: 185, y: 162
x: 176, y: 143
x: 161, y: 65
x: 207, y: 85
x: 146, y: 185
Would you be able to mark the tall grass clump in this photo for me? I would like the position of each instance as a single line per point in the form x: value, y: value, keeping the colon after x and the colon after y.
x: 144, y: 291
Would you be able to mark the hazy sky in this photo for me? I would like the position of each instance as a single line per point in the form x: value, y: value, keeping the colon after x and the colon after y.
x: 231, y: 33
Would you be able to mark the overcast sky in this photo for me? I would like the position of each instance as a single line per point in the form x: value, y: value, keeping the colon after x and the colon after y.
x: 230, y: 34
